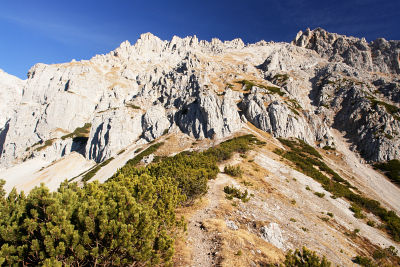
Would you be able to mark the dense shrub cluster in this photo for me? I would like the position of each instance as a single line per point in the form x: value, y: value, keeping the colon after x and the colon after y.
x: 124, y: 221
x: 191, y: 170
x: 305, y: 257
x: 129, y: 220
x: 234, y: 171
x: 233, y: 192
x: 308, y: 161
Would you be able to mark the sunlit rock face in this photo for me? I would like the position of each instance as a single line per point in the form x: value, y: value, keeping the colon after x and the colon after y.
x: 206, y: 89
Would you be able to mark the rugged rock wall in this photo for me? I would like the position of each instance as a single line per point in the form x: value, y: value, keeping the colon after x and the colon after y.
x: 379, y: 56
x: 138, y: 92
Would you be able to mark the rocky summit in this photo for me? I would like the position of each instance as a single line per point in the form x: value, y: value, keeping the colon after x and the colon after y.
x: 278, y: 140
x: 206, y: 90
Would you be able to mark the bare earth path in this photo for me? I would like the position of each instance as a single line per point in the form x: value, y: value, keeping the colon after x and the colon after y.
x: 200, y: 241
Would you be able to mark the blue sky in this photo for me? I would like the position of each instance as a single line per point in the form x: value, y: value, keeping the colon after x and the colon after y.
x: 58, y: 31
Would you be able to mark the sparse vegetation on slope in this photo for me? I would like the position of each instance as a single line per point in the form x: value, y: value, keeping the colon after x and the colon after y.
x: 308, y: 161
x: 248, y: 85
x: 93, y: 171
x: 305, y: 257
x: 391, y: 170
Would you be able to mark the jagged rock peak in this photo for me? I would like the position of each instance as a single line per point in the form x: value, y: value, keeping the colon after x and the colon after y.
x: 149, y: 43
x: 378, y: 56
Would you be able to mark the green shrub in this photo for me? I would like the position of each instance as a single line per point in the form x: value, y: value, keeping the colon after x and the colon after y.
x: 357, y: 211
x: 364, y: 261
x: 391, y: 170
x: 129, y: 220
x: 234, y: 171
x: 150, y: 150
x: 233, y: 192
x: 318, y: 194
x: 95, y: 169
x: 305, y: 257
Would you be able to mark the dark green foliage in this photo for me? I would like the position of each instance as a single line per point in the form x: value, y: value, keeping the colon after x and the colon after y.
x: 299, y: 146
x: 328, y: 148
x: 391, y: 170
x: 150, y: 150
x: 357, y: 211
x: 192, y: 170
x: 234, y: 171
x: 122, y: 151
x: 371, y: 223
x: 306, y: 160
x: 318, y: 194
x: 306, y: 258
x: 94, y: 170
x: 233, y: 192
x: 127, y: 221
x: 79, y: 132
x: 248, y: 85
x: 364, y: 261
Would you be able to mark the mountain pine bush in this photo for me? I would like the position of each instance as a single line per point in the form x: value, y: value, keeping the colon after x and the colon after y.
x: 128, y: 220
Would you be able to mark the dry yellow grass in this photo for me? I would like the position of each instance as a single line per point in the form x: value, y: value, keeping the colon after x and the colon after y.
x: 241, y: 248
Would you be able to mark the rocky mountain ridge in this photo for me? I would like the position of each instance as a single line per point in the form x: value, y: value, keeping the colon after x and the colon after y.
x: 136, y: 93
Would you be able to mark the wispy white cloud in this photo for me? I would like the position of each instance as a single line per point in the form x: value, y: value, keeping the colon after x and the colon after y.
x: 66, y: 33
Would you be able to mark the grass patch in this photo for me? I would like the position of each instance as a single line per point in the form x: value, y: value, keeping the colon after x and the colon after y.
x: 150, y: 150
x: 94, y: 170
x: 248, y: 85
x: 46, y: 144
x: 79, y: 132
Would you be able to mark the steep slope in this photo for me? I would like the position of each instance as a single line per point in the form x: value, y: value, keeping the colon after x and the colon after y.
x: 138, y: 92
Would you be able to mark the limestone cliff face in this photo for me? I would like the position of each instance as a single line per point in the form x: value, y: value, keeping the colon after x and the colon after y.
x: 136, y: 93
x: 378, y: 56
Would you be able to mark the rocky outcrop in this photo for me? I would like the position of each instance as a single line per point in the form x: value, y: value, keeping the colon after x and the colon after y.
x: 112, y: 131
x: 207, y: 90
x: 379, y: 56
x: 10, y: 95
x: 155, y: 122
x: 273, y: 234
